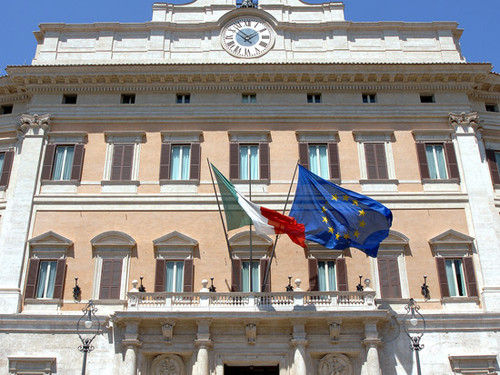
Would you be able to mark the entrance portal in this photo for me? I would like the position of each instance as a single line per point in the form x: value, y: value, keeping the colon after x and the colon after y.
x: 251, y: 370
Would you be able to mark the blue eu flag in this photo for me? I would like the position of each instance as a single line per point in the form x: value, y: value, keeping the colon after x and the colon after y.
x: 338, y: 218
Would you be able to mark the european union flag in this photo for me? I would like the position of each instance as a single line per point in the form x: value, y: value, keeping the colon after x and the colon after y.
x: 338, y: 218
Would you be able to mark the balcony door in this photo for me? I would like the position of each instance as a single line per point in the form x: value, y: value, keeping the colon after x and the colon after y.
x: 251, y: 370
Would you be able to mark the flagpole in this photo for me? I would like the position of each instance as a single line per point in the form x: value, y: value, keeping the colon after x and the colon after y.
x: 268, y: 268
x: 220, y: 212
x: 250, y: 197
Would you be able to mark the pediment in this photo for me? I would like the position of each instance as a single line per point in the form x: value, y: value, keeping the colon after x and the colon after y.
x: 113, y: 239
x: 243, y: 240
x: 175, y: 239
x: 450, y: 243
x: 50, y: 239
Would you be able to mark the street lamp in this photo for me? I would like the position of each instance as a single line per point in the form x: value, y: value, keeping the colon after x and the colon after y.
x: 413, y: 317
x: 91, y: 326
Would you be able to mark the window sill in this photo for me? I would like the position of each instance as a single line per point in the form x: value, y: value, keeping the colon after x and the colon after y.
x: 42, y: 301
x: 460, y: 299
x: 246, y: 182
x: 42, y: 305
x: 179, y: 186
x: 123, y: 187
x: 60, y: 182
x: 452, y: 184
x: 179, y: 182
x: 120, y: 182
x: 440, y: 181
x: 379, y: 185
x: 57, y: 187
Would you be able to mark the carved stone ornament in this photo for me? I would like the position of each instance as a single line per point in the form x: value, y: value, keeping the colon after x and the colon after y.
x: 168, y: 364
x: 251, y: 332
x: 464, y: 122
x: 167, y: 330
x: 34, y: 124
x: 335, y: 364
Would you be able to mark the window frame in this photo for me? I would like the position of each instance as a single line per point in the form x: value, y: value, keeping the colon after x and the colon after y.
x: 369, y: 98
x: 316, y: 253
x: 183, y: 98
x: 6, y: 109
x: 127, y: 98
x: 491, y: 107
x: 237, y: 139
x: 249, y: 98
x: 493, y: 157
x: 427, y: 98
x: 6, y: 168
x: 314, y: 98
x: 328, y: 138
x: 69, y: 99
x: 123, y: 138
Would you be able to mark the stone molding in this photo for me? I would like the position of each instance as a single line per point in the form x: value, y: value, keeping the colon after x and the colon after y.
x: 34, y: 125
x: 168, y: 364
x: 335, y: 363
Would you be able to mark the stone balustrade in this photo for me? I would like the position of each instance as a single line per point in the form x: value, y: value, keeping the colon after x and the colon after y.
x: 247, y: 302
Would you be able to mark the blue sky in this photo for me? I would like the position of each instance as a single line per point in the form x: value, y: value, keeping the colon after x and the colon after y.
x: 480, y: 41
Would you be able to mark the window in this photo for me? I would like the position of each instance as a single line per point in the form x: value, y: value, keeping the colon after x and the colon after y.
x: 318, y: 151
x: 245, y: 276
x: 123, y: 156
x: 112, y: 251
x: 47, y: 266
x: 314, y: 98
x: 455, y: 267
x: 249, y: 98
x: 6, y: 160
x: 376, y: 163
x: 6, y: 109
x: 494, y: 165
x: 69, y: 99
x: 369, y: 98
x: 122, y: 159
x: 437, y: 161
x: 318, y: 160
x: 183, y: 98
x: 180, y: 156
x: 250, y: 157
x: 427, y: 98
x: 127, y: 99
x: 174, y: 263
x: 491, y: 107
x: 63, y: 162
x: 327, y: 275
x: 388, y: 273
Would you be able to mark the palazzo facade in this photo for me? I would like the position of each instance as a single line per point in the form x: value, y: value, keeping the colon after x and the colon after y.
x: 104, y: 142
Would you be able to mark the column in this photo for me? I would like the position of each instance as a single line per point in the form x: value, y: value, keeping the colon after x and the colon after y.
x: 371, y: 342
x: 299, y: 342
x: 484, y: 218
x: 130, y: 344
x: 17, y: 215
x: 203, y: 342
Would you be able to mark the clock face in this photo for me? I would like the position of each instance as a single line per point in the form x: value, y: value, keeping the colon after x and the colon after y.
x: 247, y: 37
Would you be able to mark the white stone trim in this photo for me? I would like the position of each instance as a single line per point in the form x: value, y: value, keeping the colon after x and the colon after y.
x: 435, y: 135
x: 240, y: 244
x: 182, y: 136
x: 49, y: 245
x: 451, y: 244
x: 32, y: 365
x: 319, y: 136
x: 174, y: 245
x: 249, y: 136
x: 379, y: 137
x: 474, y: 363
x: 98, y: 270
x: 320, y: 252
x: 109, y: 161
x: 67, y: 137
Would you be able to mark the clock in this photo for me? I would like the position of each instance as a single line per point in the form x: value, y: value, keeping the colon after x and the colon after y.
x: 247, y: 37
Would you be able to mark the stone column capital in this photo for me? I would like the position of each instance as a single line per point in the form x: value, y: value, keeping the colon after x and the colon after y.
x: 464, y: 123
x: 372, y: 342
x: 126, y: 343
x: 34, y: 125
x: 203, y: 343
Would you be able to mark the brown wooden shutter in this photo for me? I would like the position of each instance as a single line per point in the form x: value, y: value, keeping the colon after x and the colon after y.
x: 422, y: 161
x: 48, y: 161
x: 263, y: 268
x: 161, y: 265
x: 492, y: 163
x: 188, y: 275
x: 333, y: 155
x: 388, y: 270
x: 7, y: 167
x: 121, y: 168
x: 111, y: 276
x: 128, y: 158
x: 59, y: 279
x: 313, y: 274
x: 340, y: 265
x: 470, y: 277
x: 304, y: 154
x: 32, y: 278
x: 166, y: 150
x: 451, y: 160
x: 76, y: 170
x: 264, y: 161
x: 376, y: 163
x: 381, y: 160
x: 235, y: 275
x: 234, y: 161
x: 116, y: 165
x: 443, y: 280
x: 394, y: 278
x: 194, y: 173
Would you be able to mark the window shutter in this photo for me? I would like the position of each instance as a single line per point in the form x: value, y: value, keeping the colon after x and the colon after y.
x: 304, y: 154
x: 166, y: 149
x: 443, y: 281
x: 341, y: 274
x: 188, y: 275
x: 394, y: 278
x: 422, y: 161
x: 470, y: 277
x: 31, y: 278
x: 234, y: 161
x: 313, y: 274
x: 264, y: 161
x: 59, y: 279
x: 111, y: 276
x: 76, y: 171
x: 376, y: 164
x: 492, y: 163
x: 263, y: 268
x: 48, y: 161
x: 116, y: 166
x: 161, y: 265
x: 333, y: 154
x: 128, y: 158
x: 7, y: 167
x: 235, y: 275
x: 194, y: 173
x: 451, y: 160
x: 123, y: 156
x: 384, y: 277
x: 381, y: 160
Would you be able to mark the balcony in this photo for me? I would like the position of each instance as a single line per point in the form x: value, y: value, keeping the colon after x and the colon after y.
x: 251, y: 302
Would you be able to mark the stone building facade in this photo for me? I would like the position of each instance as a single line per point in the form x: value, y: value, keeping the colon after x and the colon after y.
x: 103, y: 146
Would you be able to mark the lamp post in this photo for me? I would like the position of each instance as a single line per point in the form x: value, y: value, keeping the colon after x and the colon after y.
x: 413, y: 317
x: 91, y: 326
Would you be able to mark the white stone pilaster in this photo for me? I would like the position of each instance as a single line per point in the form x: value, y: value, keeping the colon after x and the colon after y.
x: 130, y: 344
x: 485, y: 220
x: 299, y: 342
x: 203, y: 342
x: 17, y: 216
x: 371, y: 341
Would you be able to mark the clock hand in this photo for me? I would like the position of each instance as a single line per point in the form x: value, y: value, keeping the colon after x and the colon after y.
x: 252, y: 35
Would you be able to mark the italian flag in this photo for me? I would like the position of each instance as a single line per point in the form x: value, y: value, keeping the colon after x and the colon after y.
x: 240, y: 211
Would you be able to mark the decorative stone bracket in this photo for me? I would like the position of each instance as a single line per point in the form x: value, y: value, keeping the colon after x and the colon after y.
x: 334, y: 331
x: 251, y: 332
x: 167, y: 330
